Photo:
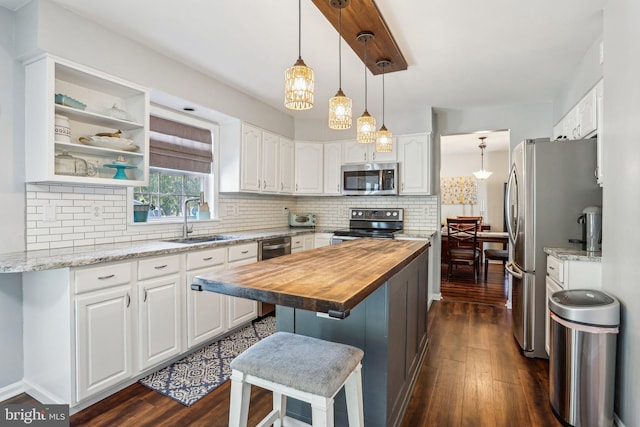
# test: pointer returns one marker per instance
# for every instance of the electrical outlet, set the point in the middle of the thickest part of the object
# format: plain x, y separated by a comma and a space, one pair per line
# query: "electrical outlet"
49, 213
96, 212
285, 210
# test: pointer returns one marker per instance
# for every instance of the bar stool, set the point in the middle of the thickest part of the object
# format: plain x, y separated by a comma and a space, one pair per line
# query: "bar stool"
301, 367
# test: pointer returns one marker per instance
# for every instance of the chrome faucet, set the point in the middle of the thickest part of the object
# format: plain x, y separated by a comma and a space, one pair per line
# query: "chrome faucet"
185, 228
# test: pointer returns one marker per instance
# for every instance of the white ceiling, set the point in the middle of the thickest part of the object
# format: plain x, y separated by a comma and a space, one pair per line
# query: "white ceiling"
461, 54
497, 140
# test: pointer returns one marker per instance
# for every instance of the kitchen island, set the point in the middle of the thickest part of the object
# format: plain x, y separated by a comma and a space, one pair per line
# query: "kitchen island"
370, 293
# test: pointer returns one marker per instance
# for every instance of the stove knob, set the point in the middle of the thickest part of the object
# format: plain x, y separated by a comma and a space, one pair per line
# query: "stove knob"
354, 213
388, 213
360, 213
395, 214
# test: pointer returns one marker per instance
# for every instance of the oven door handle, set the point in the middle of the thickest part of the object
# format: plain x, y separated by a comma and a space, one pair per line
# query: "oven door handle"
273, 247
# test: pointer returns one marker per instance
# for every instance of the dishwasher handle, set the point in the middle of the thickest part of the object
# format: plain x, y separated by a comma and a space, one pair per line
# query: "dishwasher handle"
513, 270
280, 246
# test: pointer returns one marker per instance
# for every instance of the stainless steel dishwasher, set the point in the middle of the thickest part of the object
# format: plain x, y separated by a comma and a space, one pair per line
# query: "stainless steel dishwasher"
267, 249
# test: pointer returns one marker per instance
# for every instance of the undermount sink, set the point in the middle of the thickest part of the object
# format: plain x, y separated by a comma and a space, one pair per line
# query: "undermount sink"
201, 239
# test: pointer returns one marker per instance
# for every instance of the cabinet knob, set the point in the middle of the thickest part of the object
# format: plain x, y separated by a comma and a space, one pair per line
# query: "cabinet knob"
160, 267
281, 186
373, 155
365, 156
128, 300
106, 277
296, 187
209, 258
144, 298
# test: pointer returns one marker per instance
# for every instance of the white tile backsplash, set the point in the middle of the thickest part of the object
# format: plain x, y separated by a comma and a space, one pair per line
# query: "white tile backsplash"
75, 225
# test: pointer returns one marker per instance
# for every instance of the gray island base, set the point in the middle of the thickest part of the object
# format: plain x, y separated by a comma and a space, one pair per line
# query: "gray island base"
381, 286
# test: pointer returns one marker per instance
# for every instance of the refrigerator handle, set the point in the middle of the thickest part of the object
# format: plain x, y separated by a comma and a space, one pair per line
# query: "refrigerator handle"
513, 270
513, 181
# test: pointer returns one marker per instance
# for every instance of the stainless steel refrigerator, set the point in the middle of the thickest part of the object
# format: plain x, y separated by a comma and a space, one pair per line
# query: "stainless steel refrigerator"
550, 183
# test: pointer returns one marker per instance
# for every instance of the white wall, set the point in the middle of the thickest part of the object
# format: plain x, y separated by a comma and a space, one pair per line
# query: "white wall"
587, 74
12, 198
490, 191
620, 251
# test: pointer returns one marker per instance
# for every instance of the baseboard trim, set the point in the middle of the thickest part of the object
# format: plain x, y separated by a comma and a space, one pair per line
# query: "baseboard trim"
11, 390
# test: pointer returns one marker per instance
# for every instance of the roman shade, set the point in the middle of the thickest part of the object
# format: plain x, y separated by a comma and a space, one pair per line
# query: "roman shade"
178, 146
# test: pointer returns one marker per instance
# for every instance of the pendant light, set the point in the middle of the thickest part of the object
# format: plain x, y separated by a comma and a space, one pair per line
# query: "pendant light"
366, 124
482, 174
384, 139
298, 85
340, 104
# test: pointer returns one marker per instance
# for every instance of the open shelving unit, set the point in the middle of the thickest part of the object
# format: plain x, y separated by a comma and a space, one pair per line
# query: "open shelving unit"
47, 76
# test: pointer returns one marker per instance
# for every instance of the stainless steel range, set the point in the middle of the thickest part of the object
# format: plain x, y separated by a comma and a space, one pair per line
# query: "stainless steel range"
364, 222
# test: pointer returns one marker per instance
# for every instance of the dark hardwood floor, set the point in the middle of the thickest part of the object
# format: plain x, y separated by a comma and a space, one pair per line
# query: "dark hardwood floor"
473, 375
462, 286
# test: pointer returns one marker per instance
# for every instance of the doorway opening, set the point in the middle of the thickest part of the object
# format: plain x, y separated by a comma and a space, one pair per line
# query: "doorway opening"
464, 195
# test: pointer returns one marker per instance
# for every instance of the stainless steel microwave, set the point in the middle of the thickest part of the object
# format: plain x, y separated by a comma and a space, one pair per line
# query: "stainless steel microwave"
370, 179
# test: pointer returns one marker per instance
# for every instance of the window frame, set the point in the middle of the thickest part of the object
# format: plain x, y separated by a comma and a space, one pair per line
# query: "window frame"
211, 184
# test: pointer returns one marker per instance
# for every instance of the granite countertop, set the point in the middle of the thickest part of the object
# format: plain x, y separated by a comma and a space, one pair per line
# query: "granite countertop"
330, 279
567, 254
20, 262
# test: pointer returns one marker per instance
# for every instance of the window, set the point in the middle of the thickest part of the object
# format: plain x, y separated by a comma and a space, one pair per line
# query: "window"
167, 191
181, 166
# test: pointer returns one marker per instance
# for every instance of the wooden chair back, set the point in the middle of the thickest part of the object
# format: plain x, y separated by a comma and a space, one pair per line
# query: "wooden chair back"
462, 233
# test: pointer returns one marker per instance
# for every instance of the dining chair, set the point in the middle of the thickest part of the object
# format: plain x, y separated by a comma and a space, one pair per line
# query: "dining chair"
462, 237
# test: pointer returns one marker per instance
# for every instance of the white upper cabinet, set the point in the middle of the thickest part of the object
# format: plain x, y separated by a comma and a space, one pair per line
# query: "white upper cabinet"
64, 102
287, 171
309, 167
261, 162
251, 159
354, 152
270, 163
600, 127
332, 170
414, 168
582, 120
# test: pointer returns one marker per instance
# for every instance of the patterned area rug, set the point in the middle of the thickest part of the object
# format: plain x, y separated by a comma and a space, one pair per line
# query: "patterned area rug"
191, 378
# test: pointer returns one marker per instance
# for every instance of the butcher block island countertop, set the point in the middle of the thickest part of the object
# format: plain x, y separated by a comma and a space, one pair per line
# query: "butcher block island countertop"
332, 279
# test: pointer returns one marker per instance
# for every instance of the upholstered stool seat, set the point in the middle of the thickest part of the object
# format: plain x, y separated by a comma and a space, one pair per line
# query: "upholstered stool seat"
497, 255
305, 368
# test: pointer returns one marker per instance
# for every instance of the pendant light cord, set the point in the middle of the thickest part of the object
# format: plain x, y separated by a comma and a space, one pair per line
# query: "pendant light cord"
383, 65
340, 48
365, 74
299, 29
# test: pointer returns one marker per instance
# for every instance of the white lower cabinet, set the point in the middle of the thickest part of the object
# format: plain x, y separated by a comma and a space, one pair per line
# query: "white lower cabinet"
206, 311
322, 239
302, 242
240, 310
159, 309
104, 350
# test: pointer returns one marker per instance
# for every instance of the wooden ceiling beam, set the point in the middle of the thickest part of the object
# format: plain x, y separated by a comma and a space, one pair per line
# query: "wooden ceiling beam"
363, 15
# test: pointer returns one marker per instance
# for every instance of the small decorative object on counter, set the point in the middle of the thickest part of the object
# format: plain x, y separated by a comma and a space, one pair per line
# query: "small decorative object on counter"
62, 128
141, 212
203, 208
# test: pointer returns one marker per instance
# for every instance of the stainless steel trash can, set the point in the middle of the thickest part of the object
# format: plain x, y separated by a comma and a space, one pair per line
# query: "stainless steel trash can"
582, 354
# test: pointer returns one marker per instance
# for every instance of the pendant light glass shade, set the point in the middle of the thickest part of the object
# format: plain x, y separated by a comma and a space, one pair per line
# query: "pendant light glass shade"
384, 139
298, 85
482, 174
340, 111
340, 116
366, 128
366, 124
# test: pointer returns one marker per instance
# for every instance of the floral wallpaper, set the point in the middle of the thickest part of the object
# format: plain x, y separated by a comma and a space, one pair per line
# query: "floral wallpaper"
459, 190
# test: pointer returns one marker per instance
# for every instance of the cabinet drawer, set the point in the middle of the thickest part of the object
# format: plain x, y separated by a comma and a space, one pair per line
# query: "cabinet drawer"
157, 267
249, 250
105, 276
555, 269
208, 258
297, 242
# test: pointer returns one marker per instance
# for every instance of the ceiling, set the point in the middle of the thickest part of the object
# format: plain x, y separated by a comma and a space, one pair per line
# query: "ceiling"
496, 140
460, 54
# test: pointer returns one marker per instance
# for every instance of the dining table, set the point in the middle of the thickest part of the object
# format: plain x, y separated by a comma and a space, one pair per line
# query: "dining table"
482, 236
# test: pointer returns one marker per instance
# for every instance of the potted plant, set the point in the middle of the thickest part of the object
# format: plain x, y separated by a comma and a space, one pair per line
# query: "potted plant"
140, 210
